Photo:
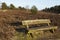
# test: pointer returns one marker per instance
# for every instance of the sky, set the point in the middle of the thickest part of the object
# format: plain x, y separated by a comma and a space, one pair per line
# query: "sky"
40, 4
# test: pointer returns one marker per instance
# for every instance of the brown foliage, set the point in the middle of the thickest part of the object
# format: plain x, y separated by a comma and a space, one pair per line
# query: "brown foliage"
11, 16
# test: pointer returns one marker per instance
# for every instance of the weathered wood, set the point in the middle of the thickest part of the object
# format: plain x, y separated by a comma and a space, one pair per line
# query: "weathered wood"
42, 29
45, 28
29, 22
40, 21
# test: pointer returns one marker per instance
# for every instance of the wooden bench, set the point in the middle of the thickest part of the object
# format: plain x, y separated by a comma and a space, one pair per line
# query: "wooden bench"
38, 21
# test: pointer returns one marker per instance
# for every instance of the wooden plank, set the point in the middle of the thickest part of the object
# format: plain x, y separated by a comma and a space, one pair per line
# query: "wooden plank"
29, 22
42, 29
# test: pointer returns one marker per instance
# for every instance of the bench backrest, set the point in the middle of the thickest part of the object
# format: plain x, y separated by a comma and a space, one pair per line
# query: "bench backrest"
31, 22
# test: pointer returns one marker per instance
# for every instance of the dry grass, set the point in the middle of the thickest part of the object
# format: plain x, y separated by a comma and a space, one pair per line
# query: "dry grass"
7, 31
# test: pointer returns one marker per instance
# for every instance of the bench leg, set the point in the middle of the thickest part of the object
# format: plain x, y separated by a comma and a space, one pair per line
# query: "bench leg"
52, 30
